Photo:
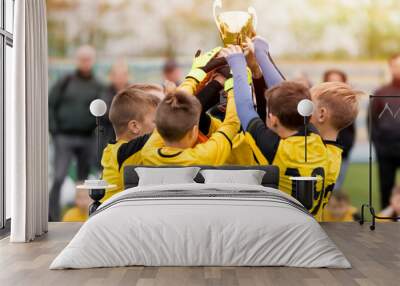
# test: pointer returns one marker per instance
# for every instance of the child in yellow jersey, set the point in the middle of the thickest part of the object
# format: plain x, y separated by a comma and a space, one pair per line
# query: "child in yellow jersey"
132, 115
177, 123
281, 141
208, 96
242, 153
336, 107
339, 209
80, 212
205, 80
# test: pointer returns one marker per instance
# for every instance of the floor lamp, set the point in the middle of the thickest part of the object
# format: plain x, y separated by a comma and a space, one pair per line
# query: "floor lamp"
305, 186
369, 205
97, 188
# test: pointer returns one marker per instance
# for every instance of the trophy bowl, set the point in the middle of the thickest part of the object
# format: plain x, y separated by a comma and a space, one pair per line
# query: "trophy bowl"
235, 26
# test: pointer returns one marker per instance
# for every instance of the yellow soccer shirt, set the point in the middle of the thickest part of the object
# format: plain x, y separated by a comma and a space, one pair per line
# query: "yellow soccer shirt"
347, 217
110, 167
189, 85
242, 153
75, 215
214, 151
334, 162
116, 155
288, 155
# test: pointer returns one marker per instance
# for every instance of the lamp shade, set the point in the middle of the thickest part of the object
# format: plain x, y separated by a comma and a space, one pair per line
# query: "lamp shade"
98, 107
305, 107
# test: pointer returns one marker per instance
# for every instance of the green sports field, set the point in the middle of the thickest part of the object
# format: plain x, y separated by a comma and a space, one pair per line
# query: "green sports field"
356, 184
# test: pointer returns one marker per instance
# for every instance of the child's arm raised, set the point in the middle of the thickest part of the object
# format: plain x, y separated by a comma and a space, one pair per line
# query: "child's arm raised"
202, 65
264, 138
242, 91
209, 97
258, 80
271, 73
218, 148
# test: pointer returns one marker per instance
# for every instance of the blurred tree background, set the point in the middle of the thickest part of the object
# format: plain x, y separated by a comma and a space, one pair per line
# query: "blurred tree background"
305, 29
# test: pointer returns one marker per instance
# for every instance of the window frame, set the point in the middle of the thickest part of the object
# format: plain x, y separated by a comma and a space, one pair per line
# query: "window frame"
6, 39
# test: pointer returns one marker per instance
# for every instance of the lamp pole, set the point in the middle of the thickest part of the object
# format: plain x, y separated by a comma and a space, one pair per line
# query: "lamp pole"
305, 108
97, 188
98, 143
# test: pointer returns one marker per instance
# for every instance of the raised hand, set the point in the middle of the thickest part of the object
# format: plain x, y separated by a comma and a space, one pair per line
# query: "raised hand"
208, 61
272, 75
251, 60
260, 44
169, 87
230, 50
205, 63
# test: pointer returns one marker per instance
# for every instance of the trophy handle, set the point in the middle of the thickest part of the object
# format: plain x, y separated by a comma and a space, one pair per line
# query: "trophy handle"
217, 4
253, 13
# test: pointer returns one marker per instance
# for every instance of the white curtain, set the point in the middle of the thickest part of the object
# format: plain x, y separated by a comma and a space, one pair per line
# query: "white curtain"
27, 123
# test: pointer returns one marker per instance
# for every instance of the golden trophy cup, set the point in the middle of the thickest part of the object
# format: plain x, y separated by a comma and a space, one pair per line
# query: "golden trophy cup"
235, 26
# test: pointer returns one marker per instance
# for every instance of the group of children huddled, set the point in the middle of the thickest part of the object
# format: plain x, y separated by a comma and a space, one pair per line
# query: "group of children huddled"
233, 108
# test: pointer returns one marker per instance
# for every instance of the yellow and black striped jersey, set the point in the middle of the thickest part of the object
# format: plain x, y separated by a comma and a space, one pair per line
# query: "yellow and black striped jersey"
116, 155
242, 153
119, 154
334, 162
288, 155
110, 167
214, 151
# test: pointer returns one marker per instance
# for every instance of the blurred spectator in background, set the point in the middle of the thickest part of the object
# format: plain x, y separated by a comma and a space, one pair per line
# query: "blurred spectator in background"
172, 71
80, 212
347, 136
385, 130
71, 123
339, 209
119, 79
303, 78
334, 75
393, 210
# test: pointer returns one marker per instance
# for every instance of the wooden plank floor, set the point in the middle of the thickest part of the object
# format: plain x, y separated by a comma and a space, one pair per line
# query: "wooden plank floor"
375, 257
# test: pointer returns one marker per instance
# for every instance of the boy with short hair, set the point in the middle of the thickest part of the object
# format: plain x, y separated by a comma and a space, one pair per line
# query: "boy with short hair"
208, 95
132, 115
281, 142
177, 123
336, 107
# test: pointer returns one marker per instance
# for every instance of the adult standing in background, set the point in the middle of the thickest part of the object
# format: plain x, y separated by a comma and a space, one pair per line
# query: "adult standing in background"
172, 72
119, 79
385, 132
347, 136
71, 124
